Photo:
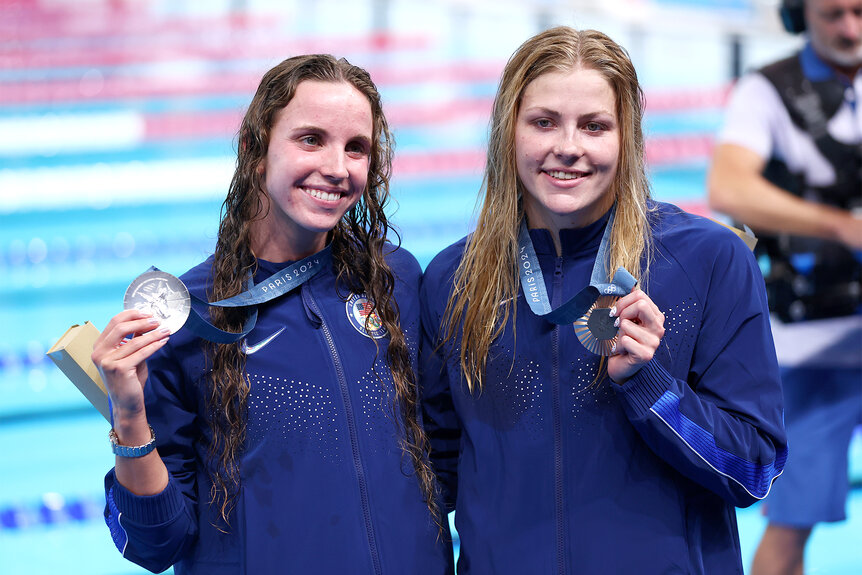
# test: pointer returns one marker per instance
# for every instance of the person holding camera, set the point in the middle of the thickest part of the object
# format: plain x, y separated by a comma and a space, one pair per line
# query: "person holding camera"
789, 164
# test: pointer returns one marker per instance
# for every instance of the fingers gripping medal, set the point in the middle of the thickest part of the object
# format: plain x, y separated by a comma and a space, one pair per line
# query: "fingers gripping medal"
595, 329
169, 300
589, 309
162, 295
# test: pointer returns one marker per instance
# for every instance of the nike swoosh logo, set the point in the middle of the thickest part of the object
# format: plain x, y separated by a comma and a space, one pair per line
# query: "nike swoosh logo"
250, 349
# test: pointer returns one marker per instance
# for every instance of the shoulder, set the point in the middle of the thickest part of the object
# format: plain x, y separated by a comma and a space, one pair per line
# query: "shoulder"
668, 221
755, 85
695, 242
694, 259
754, 115
789, 68
701, 266
442, 268
753, 101
404, 265
184, 343
199, 278
438, 279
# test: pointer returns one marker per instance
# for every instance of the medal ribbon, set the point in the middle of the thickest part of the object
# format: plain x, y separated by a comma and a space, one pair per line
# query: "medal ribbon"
533, 283
281, 282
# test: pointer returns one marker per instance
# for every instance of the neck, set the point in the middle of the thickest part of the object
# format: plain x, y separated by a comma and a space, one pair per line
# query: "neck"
538, 220
571, 240
849, 72
279, 248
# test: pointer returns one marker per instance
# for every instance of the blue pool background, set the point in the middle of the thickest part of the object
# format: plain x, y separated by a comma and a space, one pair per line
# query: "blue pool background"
116, 147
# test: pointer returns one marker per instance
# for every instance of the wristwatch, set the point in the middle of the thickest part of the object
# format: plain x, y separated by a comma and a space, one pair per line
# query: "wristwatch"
127, 451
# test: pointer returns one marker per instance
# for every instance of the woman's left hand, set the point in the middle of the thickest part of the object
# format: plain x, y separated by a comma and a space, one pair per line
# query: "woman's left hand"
641, 327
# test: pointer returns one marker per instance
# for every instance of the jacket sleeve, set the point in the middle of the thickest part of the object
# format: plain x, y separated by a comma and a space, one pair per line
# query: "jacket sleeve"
438, 410
157, 531
722, 426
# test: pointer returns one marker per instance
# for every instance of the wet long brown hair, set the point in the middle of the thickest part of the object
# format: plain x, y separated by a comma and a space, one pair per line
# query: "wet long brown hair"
358, 247
487, 274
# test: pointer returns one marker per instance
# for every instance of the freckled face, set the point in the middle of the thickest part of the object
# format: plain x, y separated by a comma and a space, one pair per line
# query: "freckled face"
316, 167
567, 146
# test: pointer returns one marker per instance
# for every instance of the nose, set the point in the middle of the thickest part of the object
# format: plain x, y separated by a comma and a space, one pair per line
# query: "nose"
568, 146
334, 166
850, 26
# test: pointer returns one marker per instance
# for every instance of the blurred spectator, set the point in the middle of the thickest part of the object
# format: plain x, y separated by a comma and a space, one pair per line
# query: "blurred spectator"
789, 164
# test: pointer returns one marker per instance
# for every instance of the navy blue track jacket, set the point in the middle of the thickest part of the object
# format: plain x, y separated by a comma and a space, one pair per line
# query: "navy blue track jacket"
325, 485
552, 473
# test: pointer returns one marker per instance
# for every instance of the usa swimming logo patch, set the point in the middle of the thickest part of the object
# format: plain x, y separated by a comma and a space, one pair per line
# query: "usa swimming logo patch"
359, 309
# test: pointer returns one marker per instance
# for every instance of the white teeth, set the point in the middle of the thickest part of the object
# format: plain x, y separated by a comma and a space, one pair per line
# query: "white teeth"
563, 175
329, 197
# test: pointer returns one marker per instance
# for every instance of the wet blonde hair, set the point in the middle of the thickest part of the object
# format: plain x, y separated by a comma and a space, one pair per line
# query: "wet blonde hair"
488, 273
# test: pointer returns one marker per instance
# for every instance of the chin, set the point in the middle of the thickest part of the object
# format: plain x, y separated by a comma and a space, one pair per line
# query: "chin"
847, 60
843, 58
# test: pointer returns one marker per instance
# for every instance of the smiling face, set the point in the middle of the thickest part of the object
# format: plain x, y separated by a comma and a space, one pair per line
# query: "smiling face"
835, 28
316, 168
567, 147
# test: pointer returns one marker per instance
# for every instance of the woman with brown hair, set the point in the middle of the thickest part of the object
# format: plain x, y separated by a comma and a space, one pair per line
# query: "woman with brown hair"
622, 445
296, 449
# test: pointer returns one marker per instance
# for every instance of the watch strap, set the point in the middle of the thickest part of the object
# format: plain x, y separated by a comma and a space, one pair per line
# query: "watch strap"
129, 451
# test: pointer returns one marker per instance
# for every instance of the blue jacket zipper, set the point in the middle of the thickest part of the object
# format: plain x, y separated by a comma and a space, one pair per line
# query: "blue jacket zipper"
351, 426
558, 433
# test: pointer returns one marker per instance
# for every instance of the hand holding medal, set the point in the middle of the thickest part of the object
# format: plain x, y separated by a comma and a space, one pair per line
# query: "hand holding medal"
597, 329
592, 310
640, 327
121, 358
160, 295
613, 319
167, 299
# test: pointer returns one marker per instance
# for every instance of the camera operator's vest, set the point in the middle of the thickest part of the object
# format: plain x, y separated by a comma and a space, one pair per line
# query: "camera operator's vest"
808, 278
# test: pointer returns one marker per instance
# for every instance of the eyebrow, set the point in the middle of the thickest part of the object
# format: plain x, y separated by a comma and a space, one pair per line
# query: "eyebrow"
551, 112
317, 129
363, 139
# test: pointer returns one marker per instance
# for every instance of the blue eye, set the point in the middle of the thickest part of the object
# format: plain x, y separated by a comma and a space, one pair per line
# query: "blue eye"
310, 140
543, 123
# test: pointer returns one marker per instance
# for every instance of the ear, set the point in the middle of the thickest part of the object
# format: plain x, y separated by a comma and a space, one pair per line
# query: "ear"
261, 167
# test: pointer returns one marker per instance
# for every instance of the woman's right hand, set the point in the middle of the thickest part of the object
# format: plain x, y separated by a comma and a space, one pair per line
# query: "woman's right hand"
122, 362
123, 365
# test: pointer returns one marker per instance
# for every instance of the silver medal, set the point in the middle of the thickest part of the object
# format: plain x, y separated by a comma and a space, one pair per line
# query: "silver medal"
162, 295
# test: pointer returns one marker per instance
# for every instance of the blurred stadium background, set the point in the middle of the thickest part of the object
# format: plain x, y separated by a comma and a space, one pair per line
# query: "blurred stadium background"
117, 125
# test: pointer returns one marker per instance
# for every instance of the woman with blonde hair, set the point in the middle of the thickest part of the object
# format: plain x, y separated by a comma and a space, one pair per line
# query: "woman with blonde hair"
620, 444
293, 446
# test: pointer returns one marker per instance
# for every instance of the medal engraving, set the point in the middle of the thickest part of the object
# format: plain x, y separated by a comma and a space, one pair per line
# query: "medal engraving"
595, 329
162, 295
601, 324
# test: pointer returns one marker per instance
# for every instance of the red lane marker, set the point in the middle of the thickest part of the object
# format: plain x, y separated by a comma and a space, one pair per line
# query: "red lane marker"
222, 123
92, 24
462, 162
677, 149
97, 87
699, 208
220, 50
688, 99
